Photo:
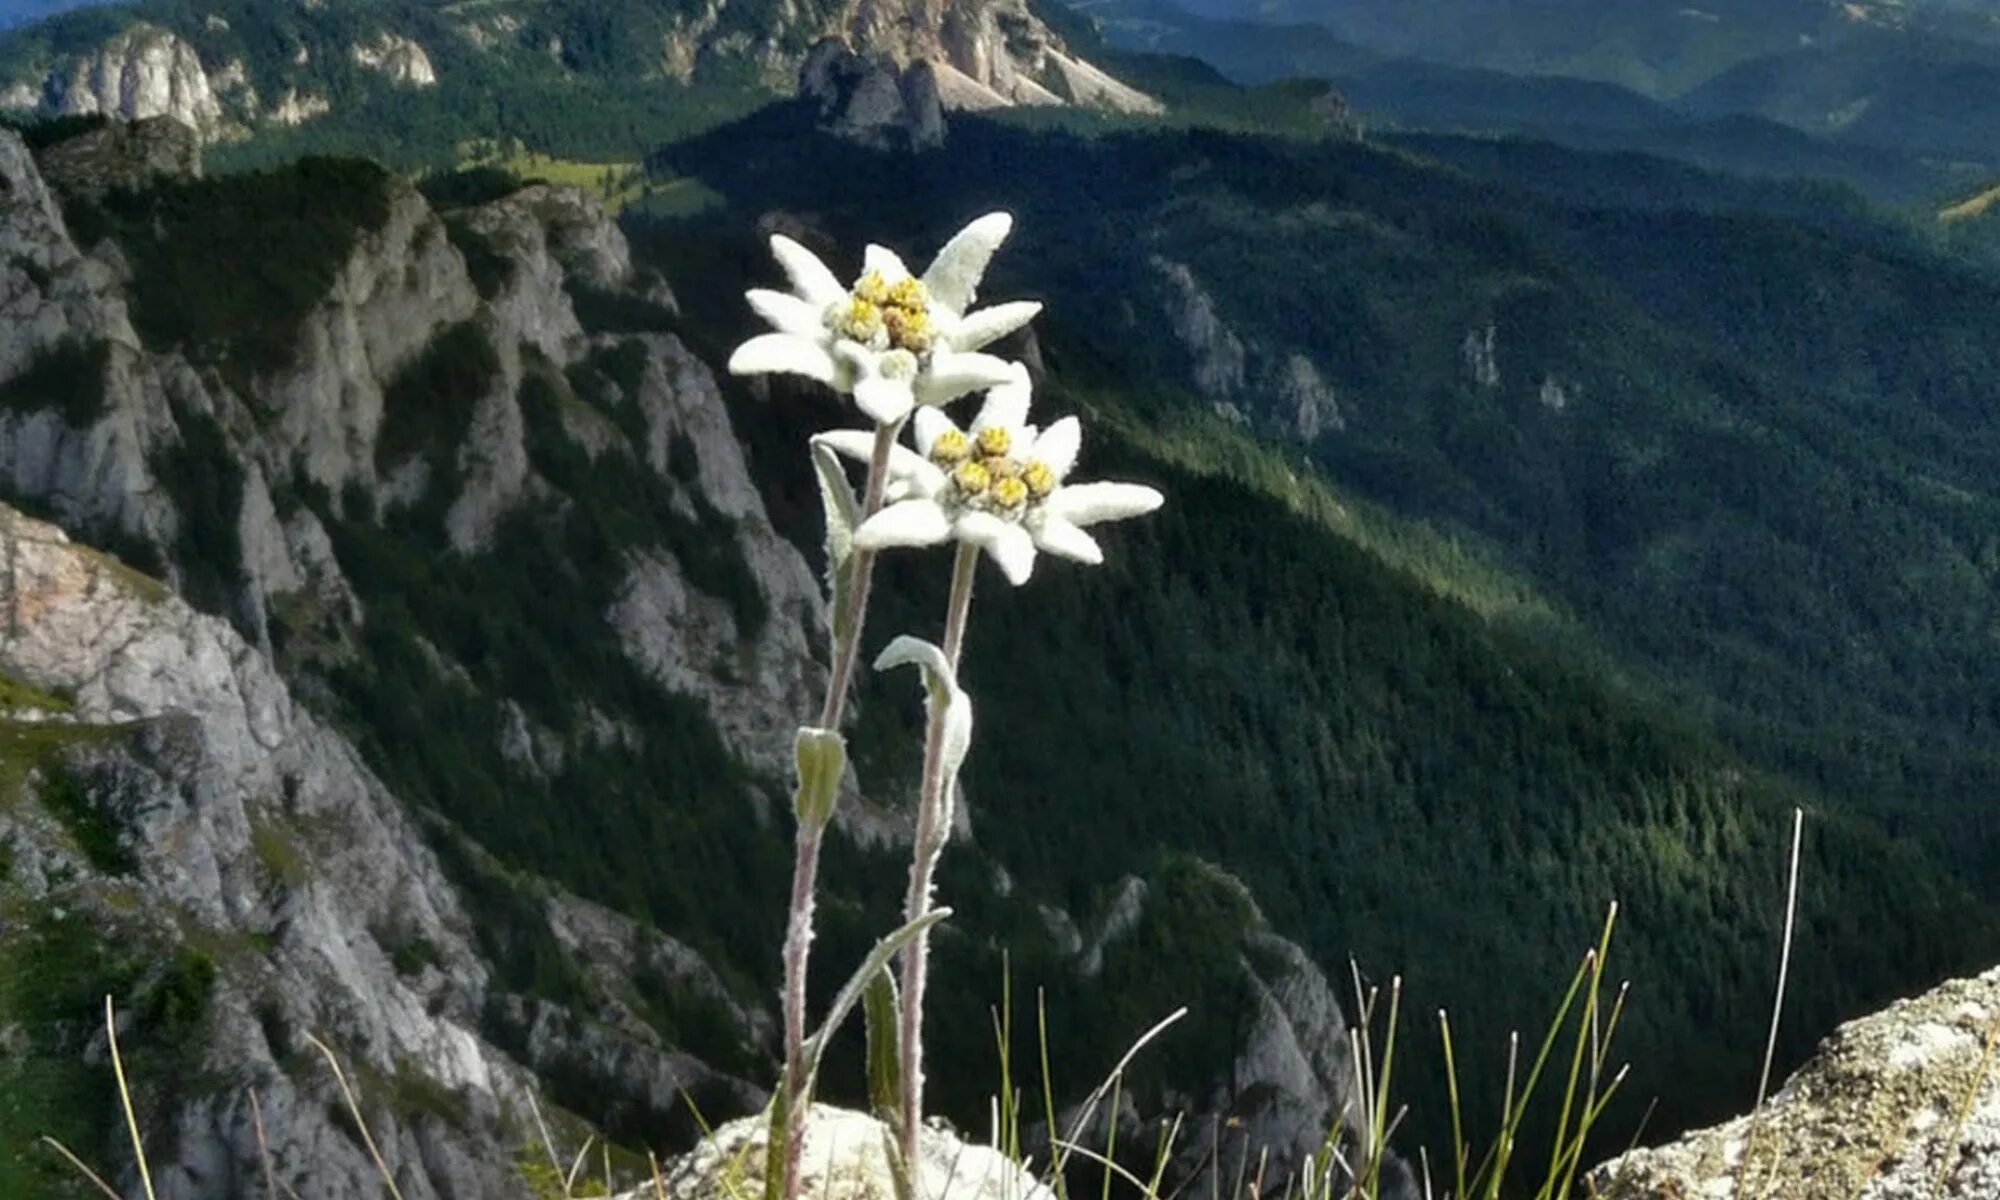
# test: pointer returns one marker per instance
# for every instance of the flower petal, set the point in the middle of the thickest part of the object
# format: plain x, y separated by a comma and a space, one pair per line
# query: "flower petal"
1057, 446
928, 425
1011, 547
978, 330
788, 313
885, 400
1092, 503
854, 443
1059, 536
811, 279
1007, 404
784, 353
886, 262
953, 277
953, 375
908, 523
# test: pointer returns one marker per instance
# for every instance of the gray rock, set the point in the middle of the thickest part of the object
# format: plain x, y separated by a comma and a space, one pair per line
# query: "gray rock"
846, 1157
873, 102
1901, 1105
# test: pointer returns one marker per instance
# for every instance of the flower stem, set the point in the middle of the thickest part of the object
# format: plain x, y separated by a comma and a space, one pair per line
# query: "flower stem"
861, 574
930, 838
805, 862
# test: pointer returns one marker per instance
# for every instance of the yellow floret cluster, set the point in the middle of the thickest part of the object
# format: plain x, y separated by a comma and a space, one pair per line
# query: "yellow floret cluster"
888, 316
984, 474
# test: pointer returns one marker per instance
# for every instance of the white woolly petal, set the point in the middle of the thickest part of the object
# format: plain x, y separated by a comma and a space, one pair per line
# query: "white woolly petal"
886, 401
784, 353
928, 425
814, 283
1092, 503
1011, 547
885, 262
904, 464
978, 330
1059, 536
953, 277
953, 375
1007, 404
909, 523
787, 313
1058, 445
854, 443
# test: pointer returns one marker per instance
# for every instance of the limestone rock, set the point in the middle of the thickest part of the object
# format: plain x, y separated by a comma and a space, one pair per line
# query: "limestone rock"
873, 102
1901, 1105
144, 71
402, 60
846, 1158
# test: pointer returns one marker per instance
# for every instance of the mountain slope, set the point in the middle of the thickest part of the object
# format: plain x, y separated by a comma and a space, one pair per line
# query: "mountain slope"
558, 73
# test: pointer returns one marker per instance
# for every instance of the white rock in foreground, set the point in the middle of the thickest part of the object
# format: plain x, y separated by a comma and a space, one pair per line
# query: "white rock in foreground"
1901, 1105
846, 1158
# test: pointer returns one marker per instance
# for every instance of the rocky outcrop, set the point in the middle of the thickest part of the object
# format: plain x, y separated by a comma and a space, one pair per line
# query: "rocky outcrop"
145, 71
398, 58
874, 103
245, 822
846, 1157
1904, 1103
119, 154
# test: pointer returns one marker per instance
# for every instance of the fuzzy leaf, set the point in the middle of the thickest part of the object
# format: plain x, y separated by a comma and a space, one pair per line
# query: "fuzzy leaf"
940, 688
880, 1010
843, 513
821, 758
850, 995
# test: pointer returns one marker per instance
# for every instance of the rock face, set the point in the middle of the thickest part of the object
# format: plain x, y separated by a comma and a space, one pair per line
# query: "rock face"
874, 103
254, 826
399, 58
143, 72
245, 819
958, 54
1901, 1104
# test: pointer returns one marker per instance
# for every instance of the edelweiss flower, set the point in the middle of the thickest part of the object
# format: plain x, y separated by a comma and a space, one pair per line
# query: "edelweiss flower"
893, 341
999, 485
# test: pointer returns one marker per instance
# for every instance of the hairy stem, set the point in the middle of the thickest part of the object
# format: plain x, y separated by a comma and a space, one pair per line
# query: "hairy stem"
805, 862
929, 842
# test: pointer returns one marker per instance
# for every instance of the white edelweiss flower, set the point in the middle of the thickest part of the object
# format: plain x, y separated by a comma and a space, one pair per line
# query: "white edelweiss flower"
893, 340
1000, 485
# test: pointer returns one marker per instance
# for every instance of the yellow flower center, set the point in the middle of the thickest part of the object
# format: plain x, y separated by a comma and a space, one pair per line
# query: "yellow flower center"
910, 293
1002, 468
878, 311
1039, 478
950, 448
859, 319
909, 328
873, 288
995, 441
971, 479
1010, 493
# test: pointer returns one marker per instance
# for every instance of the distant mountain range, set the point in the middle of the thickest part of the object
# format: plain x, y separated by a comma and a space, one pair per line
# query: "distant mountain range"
1901, 101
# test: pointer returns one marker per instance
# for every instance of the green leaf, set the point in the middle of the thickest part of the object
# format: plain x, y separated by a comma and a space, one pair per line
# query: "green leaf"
881, 1010
820, 756
850, 995
843, 513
